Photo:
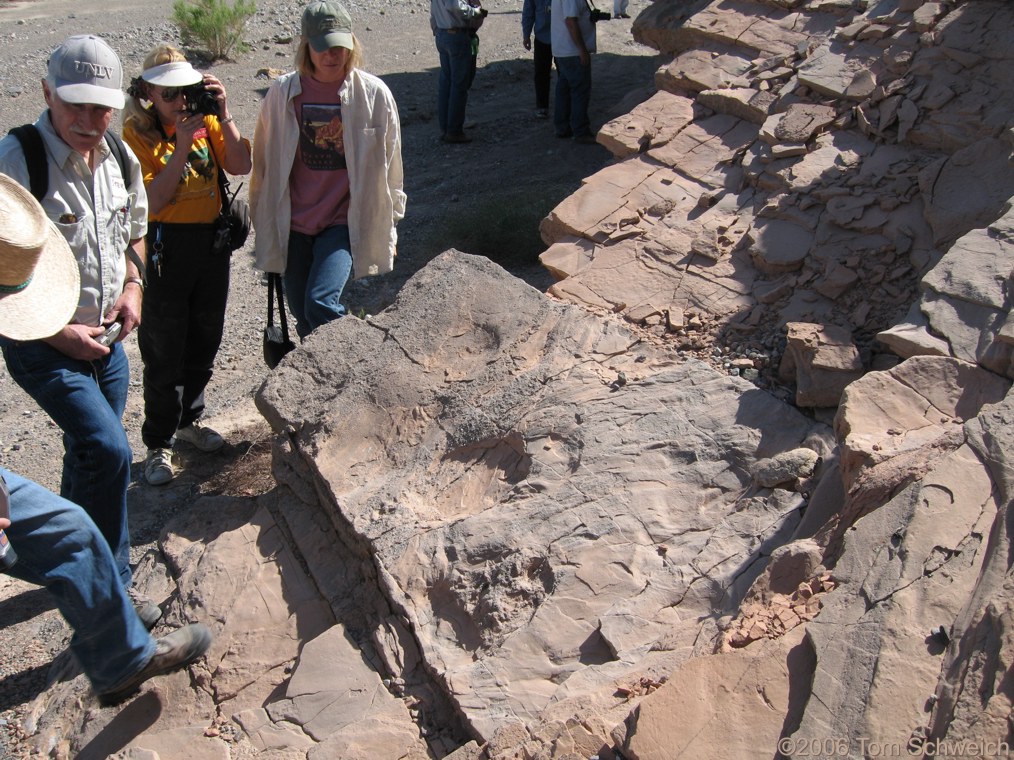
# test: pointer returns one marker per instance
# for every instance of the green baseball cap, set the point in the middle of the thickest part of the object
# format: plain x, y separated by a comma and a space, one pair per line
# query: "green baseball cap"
326, 24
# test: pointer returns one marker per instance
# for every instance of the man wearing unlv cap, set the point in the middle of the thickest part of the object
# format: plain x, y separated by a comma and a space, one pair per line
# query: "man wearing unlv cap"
80, 382
57, 544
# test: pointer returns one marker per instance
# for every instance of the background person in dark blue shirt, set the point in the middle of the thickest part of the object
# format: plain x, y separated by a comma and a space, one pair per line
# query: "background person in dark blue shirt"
535, 17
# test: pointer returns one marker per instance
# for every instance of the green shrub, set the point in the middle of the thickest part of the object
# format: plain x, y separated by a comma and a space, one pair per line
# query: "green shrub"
215, 25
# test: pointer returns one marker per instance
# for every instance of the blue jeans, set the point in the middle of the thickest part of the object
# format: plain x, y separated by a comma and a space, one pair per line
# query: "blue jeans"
315, 275
59, 547
457, 72
86, 399
573, 93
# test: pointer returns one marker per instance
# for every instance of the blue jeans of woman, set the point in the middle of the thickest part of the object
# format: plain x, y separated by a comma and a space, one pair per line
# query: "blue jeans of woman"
86, 399
457, 72
316, 272
59, 547
573, 93
184, 316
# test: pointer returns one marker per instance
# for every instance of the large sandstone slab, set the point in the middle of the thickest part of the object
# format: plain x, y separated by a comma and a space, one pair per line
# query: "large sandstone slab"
536, 533
909, 411
690, 715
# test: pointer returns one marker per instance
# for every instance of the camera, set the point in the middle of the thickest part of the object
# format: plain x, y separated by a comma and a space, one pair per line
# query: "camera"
112, 332
200, 100
597, 16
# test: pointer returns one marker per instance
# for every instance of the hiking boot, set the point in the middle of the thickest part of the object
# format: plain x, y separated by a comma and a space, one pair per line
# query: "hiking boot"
201, 437
452, 138
149, 612
173, 652
541, 113
158, 467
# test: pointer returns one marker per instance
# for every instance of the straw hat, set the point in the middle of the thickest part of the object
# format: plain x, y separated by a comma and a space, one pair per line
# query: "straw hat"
39, 280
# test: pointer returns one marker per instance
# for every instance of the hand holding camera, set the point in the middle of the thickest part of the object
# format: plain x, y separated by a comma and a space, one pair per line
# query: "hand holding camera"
201, 100
112, 333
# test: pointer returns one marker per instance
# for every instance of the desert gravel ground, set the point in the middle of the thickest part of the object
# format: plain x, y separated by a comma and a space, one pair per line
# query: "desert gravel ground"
484, 198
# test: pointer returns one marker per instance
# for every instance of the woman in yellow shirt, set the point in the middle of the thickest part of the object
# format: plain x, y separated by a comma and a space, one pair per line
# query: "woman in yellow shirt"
183, 136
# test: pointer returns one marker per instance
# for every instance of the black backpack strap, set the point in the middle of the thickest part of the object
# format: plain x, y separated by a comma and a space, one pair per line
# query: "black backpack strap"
38, 164
119, 151
35, 159
38, 168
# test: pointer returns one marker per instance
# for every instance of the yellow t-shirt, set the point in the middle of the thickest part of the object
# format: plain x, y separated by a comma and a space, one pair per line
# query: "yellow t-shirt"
196, 199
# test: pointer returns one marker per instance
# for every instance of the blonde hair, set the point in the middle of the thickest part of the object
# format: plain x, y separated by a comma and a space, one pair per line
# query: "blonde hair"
144, 119
304, 64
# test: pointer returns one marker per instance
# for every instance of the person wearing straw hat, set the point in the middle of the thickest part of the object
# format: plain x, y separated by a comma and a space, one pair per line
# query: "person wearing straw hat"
56, 543
80, 382
179, 126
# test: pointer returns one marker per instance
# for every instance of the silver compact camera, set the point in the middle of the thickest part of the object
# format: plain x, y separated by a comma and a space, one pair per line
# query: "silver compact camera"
112, 333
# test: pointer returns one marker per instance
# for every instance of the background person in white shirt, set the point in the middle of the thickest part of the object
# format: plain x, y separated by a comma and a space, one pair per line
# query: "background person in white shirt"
573, 43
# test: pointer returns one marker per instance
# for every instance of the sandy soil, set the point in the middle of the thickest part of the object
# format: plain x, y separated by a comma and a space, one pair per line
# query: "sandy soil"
485, 197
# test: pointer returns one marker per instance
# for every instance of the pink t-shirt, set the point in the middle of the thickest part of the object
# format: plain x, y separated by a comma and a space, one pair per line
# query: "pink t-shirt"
319, 180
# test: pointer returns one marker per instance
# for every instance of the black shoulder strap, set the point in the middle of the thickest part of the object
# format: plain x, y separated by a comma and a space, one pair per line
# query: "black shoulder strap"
38, 163
275, 283
35, 159
223, 179
119, 151
38, 168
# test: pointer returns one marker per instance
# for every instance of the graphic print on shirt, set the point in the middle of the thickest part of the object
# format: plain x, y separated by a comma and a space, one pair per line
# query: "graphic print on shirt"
199, 161
321, 137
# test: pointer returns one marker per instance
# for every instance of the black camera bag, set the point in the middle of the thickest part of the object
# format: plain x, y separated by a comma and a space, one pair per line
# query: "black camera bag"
276, 337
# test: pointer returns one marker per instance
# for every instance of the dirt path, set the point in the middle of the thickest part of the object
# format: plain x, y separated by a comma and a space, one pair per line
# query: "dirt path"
485, 197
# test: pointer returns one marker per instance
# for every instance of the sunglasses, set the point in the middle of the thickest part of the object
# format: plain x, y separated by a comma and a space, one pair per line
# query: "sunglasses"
169, 94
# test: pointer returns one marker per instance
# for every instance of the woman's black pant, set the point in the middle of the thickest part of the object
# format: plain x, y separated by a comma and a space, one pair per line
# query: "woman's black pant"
182, 321
543, 72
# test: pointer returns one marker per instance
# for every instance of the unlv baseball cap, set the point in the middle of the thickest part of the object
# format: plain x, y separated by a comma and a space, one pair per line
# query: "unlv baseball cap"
84, 69
327, 24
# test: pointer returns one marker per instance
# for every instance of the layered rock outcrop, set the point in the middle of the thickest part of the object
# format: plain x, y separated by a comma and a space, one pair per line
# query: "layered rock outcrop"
739, 486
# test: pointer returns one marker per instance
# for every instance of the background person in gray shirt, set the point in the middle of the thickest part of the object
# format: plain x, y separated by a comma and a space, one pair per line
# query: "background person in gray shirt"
455, 24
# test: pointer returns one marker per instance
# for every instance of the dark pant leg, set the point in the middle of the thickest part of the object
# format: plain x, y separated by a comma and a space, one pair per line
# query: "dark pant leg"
561, 103
204, 334
573, 92
543, 72
457, 72
165, 335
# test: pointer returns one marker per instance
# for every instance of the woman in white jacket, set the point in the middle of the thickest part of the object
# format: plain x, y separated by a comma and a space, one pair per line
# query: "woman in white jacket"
326, 188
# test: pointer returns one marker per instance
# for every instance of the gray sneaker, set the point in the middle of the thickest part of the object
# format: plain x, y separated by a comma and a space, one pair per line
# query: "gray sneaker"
201, 437
158, 467
173, 652
149, 612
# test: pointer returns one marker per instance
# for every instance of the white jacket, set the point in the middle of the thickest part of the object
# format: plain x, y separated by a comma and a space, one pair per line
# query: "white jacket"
372, 154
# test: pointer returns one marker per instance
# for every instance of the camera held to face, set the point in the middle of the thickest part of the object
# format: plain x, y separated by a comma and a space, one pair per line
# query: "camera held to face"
200, 100
597, 16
